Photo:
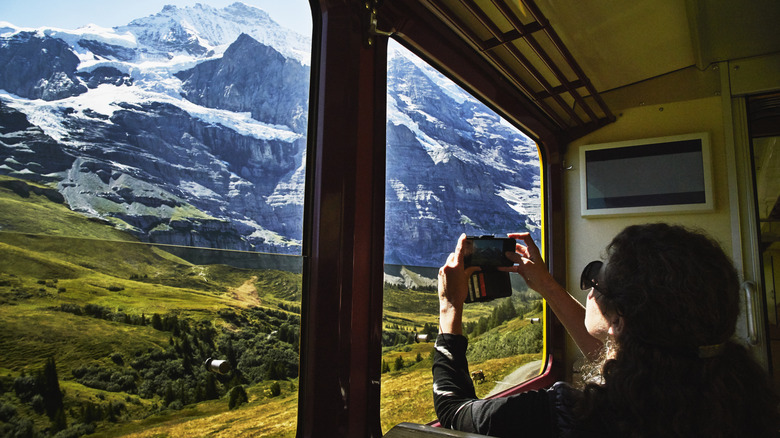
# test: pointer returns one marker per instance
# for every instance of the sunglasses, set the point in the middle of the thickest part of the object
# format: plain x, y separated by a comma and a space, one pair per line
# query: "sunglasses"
591, 276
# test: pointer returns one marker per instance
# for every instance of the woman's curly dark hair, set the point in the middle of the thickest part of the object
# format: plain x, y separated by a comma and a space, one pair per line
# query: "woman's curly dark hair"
676, 291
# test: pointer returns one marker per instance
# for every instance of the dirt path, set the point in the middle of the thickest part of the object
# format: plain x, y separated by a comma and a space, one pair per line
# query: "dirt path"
247, 293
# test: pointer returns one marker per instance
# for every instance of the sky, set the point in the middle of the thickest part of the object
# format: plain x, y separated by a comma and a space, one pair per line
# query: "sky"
72, 14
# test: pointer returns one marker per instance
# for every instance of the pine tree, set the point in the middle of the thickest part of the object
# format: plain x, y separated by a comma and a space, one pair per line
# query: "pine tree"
511, 311
157, 322
169, 396
110, 414
211, 392
58, 420
493, 321
50, 388
231, 354
183, 396
91, 413
276, 390
237, 397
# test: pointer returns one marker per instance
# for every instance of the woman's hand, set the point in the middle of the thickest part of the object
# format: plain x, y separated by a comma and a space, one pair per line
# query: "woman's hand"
568, 310
453, 290
529, 264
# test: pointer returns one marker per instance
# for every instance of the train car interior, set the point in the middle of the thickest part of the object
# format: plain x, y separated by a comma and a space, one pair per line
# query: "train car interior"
186, 250
571, 74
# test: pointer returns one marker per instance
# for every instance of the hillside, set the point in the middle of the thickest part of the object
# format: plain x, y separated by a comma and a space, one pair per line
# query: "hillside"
127, 325
407, 380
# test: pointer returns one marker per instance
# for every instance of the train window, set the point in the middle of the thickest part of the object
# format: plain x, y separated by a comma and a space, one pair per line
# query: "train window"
151, 210
767, 183
453, 166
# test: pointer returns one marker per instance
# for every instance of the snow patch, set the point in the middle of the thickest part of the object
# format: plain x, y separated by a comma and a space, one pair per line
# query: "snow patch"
103, 100
525, 202
449, 87
198, 190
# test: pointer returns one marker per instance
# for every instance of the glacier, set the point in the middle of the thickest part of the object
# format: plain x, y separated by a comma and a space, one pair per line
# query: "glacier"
161, 128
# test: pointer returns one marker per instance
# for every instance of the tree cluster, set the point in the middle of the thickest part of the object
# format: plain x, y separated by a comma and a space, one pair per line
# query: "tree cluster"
42, 392
493, 345
503, 312
394, 335
261, 344
102, 312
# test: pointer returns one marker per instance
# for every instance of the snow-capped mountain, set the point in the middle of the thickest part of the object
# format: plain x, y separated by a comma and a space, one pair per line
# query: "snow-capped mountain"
452, 167
205, 30
188, 127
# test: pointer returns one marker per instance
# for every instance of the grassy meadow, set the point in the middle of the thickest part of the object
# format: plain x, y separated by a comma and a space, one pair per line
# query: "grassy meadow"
105, 336
407, 392
262, 415
128, 327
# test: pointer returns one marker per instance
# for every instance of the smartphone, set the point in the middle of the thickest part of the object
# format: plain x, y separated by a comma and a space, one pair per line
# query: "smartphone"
488, 285
488, 251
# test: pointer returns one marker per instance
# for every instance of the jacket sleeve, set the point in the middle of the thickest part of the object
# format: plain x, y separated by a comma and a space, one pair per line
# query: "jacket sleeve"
457, 406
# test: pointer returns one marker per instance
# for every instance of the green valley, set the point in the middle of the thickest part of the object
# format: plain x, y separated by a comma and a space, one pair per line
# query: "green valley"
106, 336
126, 327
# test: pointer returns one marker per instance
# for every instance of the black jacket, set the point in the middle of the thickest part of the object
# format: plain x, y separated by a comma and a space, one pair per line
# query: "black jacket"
545, 413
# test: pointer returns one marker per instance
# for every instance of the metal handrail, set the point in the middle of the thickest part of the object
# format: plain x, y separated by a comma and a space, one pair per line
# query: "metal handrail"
750, 309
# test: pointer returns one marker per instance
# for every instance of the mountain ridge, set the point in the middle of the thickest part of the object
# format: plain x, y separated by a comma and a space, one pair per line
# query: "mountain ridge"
188, 140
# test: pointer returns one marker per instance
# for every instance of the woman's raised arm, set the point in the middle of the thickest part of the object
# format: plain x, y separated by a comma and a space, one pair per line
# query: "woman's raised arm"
529, 264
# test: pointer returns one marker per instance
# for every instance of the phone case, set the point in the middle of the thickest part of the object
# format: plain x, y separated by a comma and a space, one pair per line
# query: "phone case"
488, 285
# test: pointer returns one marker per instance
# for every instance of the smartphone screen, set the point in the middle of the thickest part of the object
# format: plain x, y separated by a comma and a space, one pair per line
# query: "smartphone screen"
488, 251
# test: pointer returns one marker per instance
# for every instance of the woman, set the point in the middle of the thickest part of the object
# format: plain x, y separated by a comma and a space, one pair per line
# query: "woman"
660, 315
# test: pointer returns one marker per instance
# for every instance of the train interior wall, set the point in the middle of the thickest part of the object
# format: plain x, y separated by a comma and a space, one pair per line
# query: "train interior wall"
716, 108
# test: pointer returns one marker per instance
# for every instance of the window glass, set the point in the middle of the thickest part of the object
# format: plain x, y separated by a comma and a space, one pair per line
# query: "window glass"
151, 204
453, 166
767, 185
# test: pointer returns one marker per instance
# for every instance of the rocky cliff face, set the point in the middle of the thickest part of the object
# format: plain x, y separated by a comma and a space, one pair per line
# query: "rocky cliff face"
231, 83
38, 68
207, 147
151, 167
450, 160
